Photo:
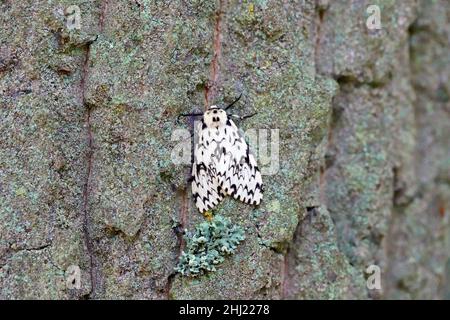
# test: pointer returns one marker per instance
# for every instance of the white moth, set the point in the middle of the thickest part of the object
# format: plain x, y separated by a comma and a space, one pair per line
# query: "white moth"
223, 165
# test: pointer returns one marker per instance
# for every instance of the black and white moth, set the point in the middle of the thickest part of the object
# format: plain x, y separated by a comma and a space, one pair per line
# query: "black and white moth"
223, 165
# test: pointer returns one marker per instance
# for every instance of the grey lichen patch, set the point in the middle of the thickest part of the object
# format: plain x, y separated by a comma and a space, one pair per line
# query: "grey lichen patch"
208, 246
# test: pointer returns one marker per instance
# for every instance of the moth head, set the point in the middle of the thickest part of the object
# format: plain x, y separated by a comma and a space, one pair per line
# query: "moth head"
215, 117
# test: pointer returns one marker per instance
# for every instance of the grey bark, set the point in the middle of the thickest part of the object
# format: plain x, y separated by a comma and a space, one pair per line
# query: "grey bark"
86, 116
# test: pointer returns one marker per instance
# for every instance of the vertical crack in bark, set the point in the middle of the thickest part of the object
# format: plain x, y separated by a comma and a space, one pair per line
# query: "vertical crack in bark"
183, 218
89, 156
86, 218
184, 200
211, 87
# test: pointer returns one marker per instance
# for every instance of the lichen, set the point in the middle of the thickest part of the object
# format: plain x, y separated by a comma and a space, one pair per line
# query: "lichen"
208, 246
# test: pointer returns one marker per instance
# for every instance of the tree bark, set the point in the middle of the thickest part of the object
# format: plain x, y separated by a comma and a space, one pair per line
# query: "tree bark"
86, 171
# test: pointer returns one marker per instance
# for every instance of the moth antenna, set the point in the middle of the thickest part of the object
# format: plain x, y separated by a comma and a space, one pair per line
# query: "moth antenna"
188, 115
231, 104
243, 117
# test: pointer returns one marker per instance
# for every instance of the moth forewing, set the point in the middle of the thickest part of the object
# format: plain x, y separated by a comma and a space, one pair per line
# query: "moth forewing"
222, 164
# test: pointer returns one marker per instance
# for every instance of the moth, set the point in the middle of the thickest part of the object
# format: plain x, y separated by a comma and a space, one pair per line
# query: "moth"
223, 164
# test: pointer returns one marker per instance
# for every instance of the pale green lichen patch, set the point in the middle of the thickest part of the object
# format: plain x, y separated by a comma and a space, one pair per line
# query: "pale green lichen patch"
208, 246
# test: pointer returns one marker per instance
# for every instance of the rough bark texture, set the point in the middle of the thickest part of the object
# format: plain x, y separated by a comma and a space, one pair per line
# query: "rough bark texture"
86, 118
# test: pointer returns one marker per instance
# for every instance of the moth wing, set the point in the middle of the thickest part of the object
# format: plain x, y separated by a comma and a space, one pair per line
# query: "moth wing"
205, 182
238, 172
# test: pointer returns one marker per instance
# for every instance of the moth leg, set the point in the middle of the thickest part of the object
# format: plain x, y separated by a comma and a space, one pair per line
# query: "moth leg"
196, 114
243, 117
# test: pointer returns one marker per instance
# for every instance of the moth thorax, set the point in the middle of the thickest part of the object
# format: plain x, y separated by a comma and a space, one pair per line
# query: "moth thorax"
215, 117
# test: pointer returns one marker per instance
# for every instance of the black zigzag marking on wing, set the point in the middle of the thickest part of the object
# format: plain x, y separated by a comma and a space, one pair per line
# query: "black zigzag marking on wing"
231, 169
